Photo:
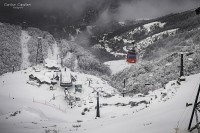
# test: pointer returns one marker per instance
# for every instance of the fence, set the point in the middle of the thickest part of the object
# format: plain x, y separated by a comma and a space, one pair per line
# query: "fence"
45, 102
50, 105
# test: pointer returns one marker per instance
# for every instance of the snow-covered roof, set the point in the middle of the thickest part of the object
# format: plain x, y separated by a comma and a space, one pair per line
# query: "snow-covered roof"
42, 77
51, 63
66, 75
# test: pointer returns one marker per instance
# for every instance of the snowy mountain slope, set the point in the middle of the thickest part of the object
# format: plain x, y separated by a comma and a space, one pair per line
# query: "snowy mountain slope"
140, 45
129, 37
159, 117
149, 40
40, 100
30, 108
115, 42
160, 62
150, 26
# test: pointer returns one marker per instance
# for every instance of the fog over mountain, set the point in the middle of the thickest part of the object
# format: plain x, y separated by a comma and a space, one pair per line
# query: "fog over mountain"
153, 8
73, 10
62, 17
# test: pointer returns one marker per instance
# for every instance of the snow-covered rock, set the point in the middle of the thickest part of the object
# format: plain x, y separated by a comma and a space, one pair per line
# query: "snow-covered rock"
149, 40
153, 25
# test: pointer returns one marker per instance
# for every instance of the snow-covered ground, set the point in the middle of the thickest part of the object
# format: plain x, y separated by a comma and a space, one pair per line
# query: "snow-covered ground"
160, 117
122, 23
117, 65
28, 108
150, 26
142, 44
149, 40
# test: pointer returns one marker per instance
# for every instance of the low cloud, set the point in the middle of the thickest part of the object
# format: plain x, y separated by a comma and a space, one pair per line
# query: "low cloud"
137, 9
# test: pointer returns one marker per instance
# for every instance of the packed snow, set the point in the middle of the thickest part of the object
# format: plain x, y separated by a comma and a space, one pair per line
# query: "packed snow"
118, 65
152, 25
128, 41
148, 27
125, 49
107, 48
141, 44
98, 46
132, 32
117, 54
122, 23
149, 40
118, 38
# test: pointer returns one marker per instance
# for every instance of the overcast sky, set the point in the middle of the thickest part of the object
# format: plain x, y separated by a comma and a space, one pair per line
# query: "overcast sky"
154, 8
126, 9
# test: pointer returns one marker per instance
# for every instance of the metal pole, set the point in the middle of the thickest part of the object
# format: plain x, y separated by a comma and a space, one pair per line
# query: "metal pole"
13, 69
124, 83
61, 61
197, 120
124, 87
181, 68
123, 93
195, 104
98, 110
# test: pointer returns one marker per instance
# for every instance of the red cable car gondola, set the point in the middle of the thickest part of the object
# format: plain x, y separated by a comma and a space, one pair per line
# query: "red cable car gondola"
132, 56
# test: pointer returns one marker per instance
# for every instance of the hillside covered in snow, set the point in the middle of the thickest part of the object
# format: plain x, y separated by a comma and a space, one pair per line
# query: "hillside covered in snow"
144, 34
27, 107
160, 59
